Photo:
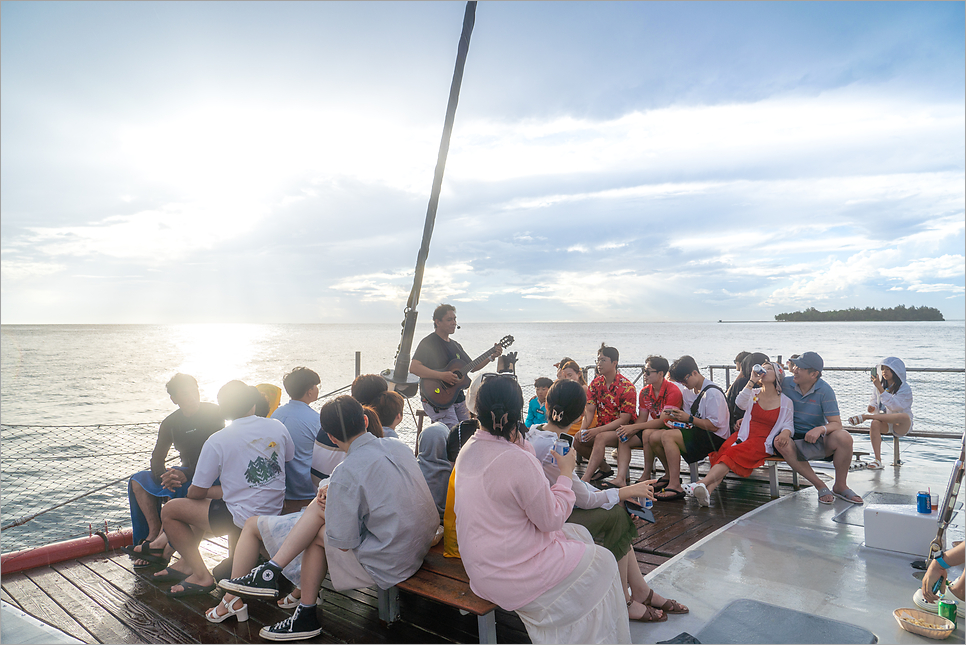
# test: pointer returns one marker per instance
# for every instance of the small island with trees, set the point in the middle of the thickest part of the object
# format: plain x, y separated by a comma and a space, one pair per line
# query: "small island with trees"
861, 315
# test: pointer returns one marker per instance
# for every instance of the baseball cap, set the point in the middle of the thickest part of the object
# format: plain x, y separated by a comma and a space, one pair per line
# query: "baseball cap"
810, 361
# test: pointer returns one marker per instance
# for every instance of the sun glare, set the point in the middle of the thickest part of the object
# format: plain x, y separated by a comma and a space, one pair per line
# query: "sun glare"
217, 353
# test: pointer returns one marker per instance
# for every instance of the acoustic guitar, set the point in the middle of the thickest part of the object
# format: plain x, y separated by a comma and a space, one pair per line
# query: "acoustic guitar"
440, 394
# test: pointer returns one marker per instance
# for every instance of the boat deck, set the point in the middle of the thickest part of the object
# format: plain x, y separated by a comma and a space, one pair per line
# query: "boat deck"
798, 554
101, 599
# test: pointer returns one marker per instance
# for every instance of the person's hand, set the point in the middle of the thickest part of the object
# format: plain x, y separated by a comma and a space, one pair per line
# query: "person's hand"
737, 425
320, 497
587, 434
173, 478
640, 489
672, 414
870, 409
622, 431
877, 383
450, 378
567, 462
814, 434
783, 440
933, 573
497, 349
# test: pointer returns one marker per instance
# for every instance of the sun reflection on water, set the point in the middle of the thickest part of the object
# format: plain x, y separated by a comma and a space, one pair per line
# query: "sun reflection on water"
217, 353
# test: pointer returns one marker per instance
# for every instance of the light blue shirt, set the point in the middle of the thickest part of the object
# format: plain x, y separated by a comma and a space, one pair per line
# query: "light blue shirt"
389, 432
302, 423
811, 408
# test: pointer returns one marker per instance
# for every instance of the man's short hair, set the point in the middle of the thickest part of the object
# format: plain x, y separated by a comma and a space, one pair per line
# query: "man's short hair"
388, 405
658, 364
440, 312
236, 399
741, 356
543, 381
343, 418
682, 367
180, 381
299, 381
367, 387
609, 352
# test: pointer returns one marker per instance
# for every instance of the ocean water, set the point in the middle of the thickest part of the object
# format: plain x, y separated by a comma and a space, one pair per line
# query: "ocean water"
66, 378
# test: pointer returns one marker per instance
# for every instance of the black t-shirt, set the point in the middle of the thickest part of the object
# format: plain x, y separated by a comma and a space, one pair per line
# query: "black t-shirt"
436, 353
188, 434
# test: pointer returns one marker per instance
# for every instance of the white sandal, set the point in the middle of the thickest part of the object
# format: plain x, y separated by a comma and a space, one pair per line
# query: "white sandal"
289, 602
875, 464
241, 613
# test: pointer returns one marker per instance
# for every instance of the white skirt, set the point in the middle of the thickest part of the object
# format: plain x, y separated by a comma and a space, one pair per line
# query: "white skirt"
568, 613
274, 529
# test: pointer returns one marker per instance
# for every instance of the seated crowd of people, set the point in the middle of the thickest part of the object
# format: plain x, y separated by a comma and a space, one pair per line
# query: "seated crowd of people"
302, 494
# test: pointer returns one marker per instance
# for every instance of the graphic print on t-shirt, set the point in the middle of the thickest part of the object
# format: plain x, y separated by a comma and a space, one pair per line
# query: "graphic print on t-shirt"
263, 470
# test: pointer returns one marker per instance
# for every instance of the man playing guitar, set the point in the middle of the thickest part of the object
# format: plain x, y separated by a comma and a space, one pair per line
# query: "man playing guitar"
433, 354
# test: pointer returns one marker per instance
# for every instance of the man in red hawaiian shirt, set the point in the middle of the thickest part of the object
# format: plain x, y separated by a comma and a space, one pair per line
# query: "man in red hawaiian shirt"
657, 394
614, 398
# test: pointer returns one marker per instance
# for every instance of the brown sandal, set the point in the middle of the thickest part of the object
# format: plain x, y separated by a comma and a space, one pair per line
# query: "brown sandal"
650, 614
669, 606
673, 607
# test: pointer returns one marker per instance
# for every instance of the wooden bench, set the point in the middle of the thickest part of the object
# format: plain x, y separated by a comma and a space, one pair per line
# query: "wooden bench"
442, 580
771, 463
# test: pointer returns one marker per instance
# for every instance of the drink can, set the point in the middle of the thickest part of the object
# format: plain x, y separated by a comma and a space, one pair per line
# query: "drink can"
648, 503
758, 370
947, 609
561, 446
923, 504
623, 438
682, 426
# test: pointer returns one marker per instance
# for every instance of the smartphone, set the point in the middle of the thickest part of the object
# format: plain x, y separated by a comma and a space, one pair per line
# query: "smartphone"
638, 511
563, 444
873, 373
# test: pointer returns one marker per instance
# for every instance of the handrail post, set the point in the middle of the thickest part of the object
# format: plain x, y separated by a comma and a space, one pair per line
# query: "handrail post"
358, 364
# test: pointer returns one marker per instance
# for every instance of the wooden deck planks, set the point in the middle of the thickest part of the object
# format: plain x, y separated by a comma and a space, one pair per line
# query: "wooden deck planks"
35, 601
123, 605
103, 599
101, 624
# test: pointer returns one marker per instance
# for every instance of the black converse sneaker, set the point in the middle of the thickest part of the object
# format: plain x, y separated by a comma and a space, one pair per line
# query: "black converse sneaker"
304, 623
260, 581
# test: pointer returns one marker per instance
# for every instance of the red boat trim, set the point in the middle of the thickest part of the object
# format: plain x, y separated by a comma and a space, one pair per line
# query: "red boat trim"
60, 551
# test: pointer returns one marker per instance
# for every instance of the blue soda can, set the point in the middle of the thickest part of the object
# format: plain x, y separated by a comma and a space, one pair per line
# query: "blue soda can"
680, 425
623, 438
648, 503
923, 505
561, 446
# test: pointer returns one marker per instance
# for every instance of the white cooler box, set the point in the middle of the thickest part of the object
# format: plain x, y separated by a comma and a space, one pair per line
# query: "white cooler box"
899, 527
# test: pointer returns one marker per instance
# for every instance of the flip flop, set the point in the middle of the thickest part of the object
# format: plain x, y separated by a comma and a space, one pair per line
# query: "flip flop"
601, 474
149, 555
847, 495
173, 575
190, 589
822, 493
670, 496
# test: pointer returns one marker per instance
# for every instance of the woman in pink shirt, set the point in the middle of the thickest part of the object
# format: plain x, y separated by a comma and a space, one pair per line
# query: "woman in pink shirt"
515, 545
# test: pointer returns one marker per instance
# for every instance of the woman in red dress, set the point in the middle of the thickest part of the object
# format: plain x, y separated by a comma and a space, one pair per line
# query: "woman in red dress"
769, 412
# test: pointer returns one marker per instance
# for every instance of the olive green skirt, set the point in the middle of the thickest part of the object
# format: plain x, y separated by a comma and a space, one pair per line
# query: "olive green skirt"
614, 529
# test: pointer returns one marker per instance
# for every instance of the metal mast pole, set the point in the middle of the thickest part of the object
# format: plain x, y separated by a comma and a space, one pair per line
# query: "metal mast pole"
400, 374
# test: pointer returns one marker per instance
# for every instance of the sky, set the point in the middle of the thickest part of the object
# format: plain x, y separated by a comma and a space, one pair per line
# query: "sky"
272, 162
